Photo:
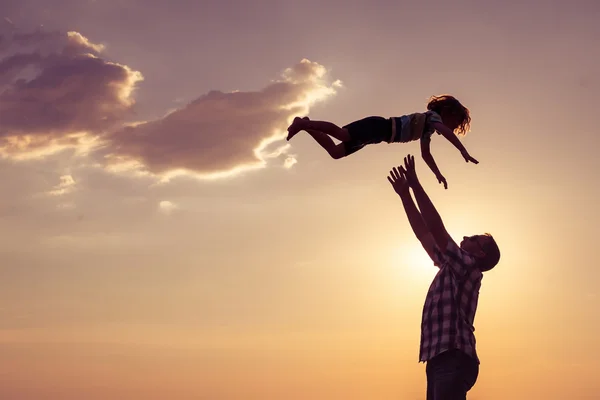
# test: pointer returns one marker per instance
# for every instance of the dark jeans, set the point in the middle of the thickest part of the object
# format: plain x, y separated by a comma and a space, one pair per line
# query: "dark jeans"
450, 375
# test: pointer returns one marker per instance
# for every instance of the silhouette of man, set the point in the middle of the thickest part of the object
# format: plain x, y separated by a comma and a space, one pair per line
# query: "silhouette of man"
447, 339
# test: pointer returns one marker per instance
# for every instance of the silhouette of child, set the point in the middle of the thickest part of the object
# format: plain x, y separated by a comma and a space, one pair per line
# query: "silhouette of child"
445, 114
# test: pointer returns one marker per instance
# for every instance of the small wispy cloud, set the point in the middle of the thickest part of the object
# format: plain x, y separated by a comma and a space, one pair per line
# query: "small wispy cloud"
66, 206
66, 185
167, 206
289, 161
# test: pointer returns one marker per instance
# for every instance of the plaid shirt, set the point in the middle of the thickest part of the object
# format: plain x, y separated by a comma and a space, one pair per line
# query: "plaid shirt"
450, 305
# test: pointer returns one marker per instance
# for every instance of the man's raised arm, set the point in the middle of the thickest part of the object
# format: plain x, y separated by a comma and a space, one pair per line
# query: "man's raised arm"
430, 216
398, 180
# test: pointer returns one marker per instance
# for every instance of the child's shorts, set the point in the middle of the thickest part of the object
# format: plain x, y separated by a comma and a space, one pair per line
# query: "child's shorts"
369, 130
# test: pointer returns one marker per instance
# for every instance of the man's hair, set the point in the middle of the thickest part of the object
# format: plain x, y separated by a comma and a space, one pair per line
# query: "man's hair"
449, 104
492, 254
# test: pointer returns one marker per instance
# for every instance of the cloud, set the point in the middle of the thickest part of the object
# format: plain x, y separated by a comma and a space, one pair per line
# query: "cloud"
222, 133
56, 92
66, 185
167, 206
290, 161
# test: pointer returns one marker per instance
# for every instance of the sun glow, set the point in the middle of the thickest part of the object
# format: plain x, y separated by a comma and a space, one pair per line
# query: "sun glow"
413, 262
418, 259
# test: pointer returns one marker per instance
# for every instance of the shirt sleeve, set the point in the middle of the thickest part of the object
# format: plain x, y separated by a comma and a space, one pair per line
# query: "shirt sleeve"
438, 257
459, 261
429, 130
434, 117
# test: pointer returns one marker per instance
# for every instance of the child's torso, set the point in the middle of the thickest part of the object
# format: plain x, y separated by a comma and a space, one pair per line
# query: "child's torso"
416, 126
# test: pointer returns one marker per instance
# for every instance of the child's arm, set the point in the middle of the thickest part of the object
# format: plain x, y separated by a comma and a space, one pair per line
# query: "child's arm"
451, 137
428, 158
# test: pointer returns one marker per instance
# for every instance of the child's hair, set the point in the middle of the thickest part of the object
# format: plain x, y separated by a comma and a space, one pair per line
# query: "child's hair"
447, 103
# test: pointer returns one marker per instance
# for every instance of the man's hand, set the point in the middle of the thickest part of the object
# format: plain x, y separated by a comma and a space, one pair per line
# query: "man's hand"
398, 180
409, 170
468, 158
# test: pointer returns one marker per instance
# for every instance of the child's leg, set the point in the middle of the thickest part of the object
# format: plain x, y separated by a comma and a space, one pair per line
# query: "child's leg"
326, 127
335, 150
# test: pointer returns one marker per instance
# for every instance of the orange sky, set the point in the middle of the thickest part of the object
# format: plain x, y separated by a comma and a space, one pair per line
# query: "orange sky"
275, 272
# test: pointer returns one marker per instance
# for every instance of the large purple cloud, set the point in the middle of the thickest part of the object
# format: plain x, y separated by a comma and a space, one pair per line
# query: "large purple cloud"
221, 132
54, 88
56, 91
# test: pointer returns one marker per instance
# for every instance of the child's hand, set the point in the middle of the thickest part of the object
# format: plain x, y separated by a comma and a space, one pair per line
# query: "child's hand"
398, 180
468, 158
441, 179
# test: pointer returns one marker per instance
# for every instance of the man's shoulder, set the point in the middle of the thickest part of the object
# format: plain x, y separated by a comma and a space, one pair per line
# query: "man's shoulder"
458, 259
451, 247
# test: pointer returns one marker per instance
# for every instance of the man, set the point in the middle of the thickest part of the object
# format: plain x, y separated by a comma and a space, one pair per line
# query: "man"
447, 338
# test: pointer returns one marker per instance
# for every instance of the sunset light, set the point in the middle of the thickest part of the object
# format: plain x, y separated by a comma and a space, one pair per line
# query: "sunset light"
166, 234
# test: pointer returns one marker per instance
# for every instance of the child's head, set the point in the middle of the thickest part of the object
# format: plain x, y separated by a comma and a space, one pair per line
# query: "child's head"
454, 115
484, 249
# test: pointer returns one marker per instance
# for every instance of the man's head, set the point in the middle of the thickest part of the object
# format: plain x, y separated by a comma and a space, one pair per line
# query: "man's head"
483, 248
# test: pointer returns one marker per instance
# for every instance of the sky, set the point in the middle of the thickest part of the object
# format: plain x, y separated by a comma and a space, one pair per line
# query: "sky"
161, 239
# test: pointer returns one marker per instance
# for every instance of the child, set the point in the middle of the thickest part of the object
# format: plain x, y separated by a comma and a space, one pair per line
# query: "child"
445, 114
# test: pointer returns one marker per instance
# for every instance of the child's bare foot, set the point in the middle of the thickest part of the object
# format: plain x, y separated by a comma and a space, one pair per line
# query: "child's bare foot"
295, 127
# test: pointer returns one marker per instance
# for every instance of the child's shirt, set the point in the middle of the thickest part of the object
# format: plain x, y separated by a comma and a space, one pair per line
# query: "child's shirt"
408, 128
